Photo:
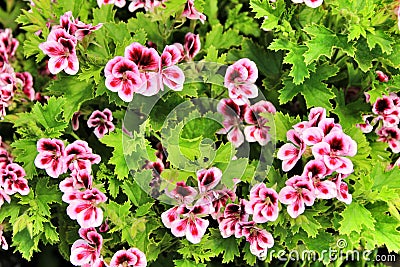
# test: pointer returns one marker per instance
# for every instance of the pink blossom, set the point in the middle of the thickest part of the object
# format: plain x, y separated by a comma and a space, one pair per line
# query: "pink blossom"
75, 120
102, 121
8, 43
5, 158
342, 189
4, 197
365, 127
86, 250
291, 153
148, 5
51, 156
232, 216
169, 216
85, 208
263, 204
313, 3
332, 150
118, 3
3, 241
76, 27
182, 193
146, 59
191, 225
172, 76
131, 257
191, 45
233, 116
260, 240
79, 155
390, 135
191, 12
382, 77
239, 79
297, 193
208, 178
13, 181
258, 131
316, 171
60, 46
26, 81
122, 76
80, 179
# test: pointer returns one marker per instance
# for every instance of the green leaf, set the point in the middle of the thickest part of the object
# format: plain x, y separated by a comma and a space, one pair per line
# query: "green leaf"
315, 92
143, 209
25, 151
188, 263
355, 216
386, 230
300, 69
221, 39
74, 91
48, 116
271, 13
134, 192
198, 252
45, 195
227, 246
381, 39
26, 245
323, 43
242, 22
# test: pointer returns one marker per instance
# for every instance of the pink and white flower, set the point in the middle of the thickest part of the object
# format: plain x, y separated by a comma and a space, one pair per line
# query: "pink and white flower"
297, 193
75, 120
208, 178
8, 44
290, 153
239, 79
191, 225
390, 135
79, 155
258, 131
191, 12
172, 76
316, 171
182, 193
263, 204
3, 241
51, 156
232, 216
84, 209
132, 257
233, 117
333, 149
122, 76
382, 77
26, 81
191, 45
101, 121
342, 189
13, 181
260, 240
60, 46
86, 250
76, 27
148, 5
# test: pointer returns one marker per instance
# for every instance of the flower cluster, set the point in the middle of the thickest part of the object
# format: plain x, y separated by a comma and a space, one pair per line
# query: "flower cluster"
309, 3
386, 117
189, 12
322, 176
255, 129
77, 157
11, 82
61, 43
143, 71
12, 181
185, 219
86, 252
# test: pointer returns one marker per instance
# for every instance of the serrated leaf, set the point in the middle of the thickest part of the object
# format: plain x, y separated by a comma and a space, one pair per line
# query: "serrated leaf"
271, 14
26, 245
295, 56
188, 263
25, 151
315, 92
281, 123
323, 43
221, 39
355, 217
134, 192
74, 91
381, 39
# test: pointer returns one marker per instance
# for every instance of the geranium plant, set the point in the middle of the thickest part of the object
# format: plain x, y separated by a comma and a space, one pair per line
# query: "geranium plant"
200, 133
